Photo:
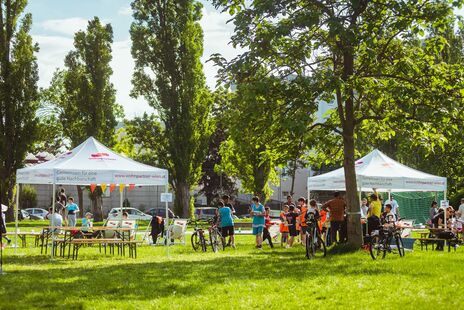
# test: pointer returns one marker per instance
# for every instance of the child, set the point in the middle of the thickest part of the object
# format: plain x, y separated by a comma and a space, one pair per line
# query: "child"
87, 222
292, 215
157, 227
257, 212
267, 225
284, 226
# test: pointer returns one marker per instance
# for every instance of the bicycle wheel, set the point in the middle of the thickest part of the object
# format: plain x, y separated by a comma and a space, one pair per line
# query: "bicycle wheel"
309, 242
203, 242
375, 247
213, 238
221, 242
195, 241
399, 245
318, 248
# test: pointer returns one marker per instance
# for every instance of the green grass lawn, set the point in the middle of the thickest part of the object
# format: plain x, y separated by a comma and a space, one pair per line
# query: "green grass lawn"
244, 278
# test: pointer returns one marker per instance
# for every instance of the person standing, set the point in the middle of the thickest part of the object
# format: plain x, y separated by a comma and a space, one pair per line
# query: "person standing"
228, 203
336, 207
432, 212
302, 219
461, 210
364, 210
3, 224
72, 209
267, 226
375, 207
284, 226
394, 206
55, 219
290, 201
257, 212
227, 223
292, 216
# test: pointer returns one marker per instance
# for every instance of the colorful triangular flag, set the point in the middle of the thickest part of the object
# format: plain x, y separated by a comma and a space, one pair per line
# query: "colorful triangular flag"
112, 186
93, 187
131, 187
103, 187
121, 187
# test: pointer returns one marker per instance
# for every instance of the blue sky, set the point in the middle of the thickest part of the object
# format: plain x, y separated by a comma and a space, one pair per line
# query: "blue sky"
56, 21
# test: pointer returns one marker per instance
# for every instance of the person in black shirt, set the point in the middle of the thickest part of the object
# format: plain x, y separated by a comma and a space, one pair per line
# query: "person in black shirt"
292, 215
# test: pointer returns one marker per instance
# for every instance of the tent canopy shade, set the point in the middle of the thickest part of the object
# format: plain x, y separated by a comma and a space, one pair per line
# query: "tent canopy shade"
92, 163
377, 170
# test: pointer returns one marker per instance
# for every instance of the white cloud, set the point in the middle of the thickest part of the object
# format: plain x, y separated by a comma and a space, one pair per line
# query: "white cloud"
53, 49
125, 10
217, 34
67, 26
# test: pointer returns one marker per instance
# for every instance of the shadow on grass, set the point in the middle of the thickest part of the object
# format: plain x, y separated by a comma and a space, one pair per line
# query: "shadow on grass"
128, 280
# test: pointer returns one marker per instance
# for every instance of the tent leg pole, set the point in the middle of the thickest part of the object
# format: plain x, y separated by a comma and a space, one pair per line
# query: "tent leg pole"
16, 210
121, 204
53, 220
168, 239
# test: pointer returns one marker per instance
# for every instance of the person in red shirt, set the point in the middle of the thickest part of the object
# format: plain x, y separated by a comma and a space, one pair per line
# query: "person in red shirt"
267, 225
336, 207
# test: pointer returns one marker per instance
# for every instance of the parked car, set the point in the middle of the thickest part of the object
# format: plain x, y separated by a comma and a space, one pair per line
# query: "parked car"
274, 214
23, 215
205, 213
37, 213
132, 214
161, 211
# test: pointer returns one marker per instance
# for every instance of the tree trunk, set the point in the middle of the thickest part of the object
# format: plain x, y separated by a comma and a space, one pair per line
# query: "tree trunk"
182, 199
352, 199
261, 178
80, 199
6, 198
97, 202
293, 173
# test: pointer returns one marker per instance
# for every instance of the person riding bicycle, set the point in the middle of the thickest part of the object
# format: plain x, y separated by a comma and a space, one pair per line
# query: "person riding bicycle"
312, 209
388, 218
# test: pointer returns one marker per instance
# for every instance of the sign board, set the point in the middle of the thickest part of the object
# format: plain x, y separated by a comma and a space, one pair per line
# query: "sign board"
444, 204
166, 197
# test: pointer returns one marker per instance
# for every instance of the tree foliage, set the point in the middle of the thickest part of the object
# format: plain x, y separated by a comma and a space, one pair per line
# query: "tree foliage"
167, 46
82, 97
18, 93
366, 56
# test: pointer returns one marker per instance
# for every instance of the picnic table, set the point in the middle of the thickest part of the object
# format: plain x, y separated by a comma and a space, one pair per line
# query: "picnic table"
76, 237
22, 235
431, 237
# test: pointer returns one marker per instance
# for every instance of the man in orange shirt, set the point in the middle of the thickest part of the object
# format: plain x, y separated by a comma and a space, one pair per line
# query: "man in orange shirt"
336, 207
301, 219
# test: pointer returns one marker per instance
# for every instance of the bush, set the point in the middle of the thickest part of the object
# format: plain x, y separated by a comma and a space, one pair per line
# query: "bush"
28, 197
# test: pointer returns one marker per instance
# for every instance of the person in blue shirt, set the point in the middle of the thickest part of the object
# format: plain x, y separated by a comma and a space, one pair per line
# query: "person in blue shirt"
72, 210
227, 223
257, 212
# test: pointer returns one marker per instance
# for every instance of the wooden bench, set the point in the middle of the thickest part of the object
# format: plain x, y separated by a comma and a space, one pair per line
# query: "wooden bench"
433, 241
111, 242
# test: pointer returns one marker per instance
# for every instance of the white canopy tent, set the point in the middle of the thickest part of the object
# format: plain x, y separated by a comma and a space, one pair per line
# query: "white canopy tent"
377, 170
87, 164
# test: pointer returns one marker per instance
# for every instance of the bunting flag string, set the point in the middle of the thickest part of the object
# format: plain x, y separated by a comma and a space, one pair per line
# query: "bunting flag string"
131, 187
103, 187
121, 187
93, 187
112, 186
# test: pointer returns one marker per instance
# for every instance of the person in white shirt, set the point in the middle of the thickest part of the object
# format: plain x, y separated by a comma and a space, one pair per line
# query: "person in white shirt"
56, 220
394, 205
461, 210
364, 208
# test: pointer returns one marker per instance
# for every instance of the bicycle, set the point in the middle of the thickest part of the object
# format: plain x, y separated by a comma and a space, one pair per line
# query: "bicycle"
381, 240
198, 237
216, 240
315, 246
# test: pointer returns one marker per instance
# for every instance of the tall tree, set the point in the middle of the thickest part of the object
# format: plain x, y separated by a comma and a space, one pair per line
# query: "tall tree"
83, 95
358, 53
167, 46
18, 93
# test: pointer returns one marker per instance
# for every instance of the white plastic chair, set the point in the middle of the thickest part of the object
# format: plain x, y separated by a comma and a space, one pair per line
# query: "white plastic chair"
177, 231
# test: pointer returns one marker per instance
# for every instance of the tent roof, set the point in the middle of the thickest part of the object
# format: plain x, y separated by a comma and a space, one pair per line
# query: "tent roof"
92, 163
377, 170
